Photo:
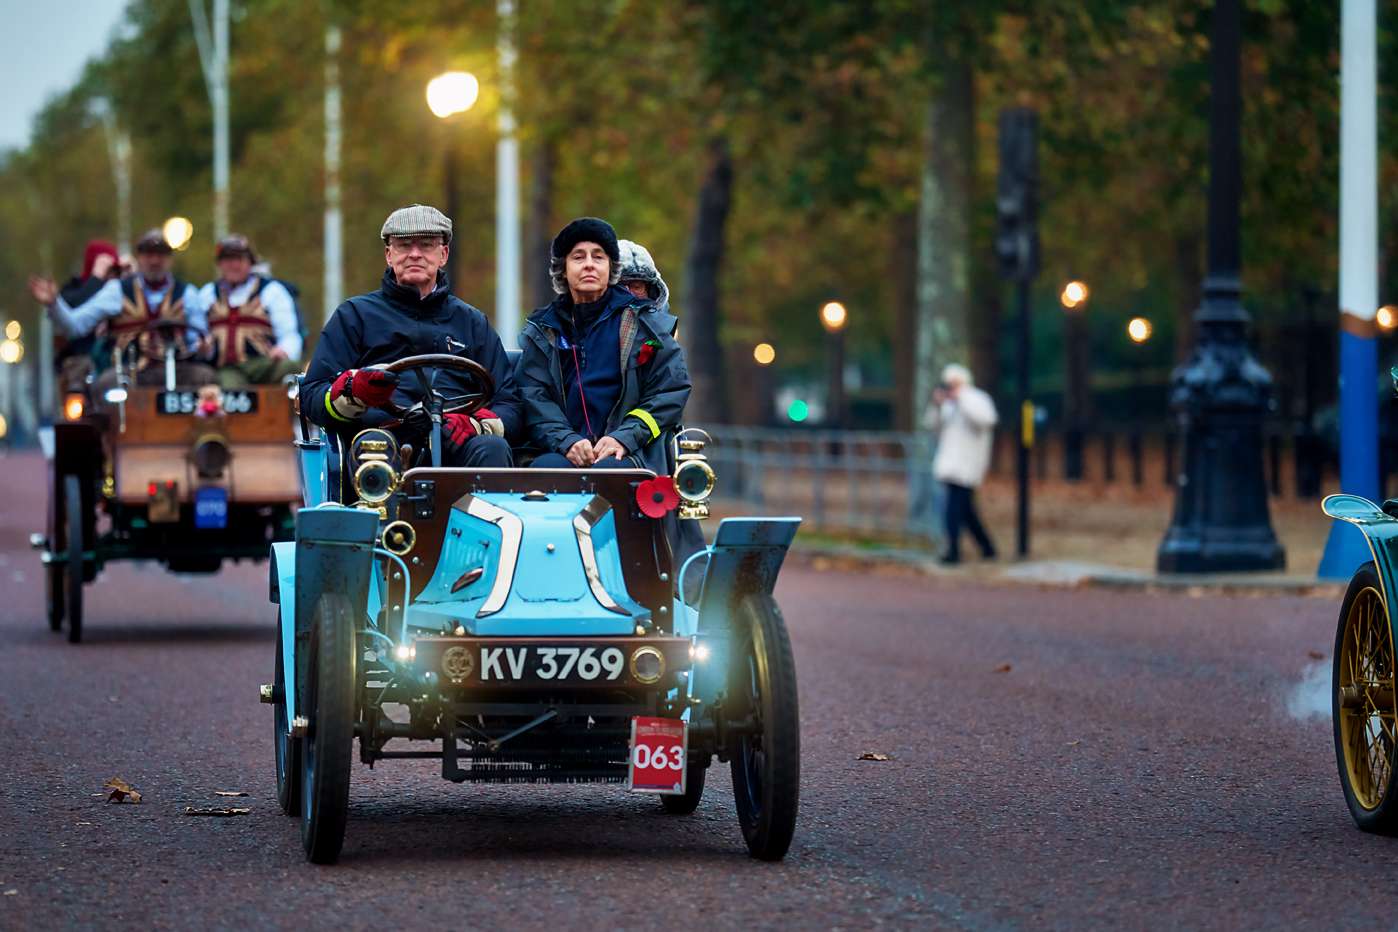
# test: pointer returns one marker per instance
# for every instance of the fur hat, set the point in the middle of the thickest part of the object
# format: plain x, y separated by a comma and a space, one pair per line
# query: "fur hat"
582, 230
417, 220
636, 265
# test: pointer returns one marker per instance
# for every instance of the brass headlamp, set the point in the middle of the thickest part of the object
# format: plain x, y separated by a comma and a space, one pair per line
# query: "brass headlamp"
694, 477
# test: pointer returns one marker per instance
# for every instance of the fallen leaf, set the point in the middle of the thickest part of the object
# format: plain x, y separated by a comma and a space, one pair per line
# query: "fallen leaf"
84, 823
11, 892
1003, 668
1315, 655
215, 811
874, 755
121, 791
229, 793
1073, 744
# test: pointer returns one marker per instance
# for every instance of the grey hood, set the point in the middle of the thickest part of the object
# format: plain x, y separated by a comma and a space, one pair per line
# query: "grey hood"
635, 265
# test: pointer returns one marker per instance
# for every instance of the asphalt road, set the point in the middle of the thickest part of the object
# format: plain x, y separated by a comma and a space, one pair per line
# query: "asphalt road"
1144, 761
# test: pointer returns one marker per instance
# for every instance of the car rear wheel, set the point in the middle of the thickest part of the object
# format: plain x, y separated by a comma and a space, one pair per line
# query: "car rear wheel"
328, 746
686, 802
288, 749
1364, 706
73, 568
765, 760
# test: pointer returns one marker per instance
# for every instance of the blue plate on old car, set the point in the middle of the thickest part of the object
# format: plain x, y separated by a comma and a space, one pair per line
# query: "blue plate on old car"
211, 508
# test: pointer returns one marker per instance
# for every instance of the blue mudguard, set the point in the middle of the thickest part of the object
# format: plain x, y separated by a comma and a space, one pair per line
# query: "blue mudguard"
745, 557
1380, 533
333, 551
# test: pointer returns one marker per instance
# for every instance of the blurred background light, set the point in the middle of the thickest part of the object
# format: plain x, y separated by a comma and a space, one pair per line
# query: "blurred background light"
764, 353
452, 92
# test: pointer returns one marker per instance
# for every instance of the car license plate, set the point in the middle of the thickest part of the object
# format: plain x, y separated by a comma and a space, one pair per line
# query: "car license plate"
211, 508
187, 402
659, 749
539, 664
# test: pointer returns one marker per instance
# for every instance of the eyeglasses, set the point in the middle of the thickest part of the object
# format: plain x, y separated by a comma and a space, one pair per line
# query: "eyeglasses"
406, 244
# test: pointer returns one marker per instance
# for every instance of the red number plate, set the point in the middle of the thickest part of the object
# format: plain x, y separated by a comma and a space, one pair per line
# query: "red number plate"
659, 747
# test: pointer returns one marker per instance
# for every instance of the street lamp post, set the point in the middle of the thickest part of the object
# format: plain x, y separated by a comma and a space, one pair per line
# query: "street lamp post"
1220, 394
834, 317
1077, 402
448, 94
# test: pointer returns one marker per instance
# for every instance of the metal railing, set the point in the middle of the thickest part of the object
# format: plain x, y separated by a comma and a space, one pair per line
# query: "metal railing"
876, 482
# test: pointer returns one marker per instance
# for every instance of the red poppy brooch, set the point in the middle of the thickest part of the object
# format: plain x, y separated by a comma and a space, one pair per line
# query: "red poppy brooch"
647, 352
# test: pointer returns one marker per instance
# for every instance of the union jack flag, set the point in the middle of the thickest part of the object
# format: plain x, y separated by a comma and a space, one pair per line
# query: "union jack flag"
243, 332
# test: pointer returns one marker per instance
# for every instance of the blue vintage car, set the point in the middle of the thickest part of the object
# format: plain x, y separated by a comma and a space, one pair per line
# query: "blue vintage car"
525, 626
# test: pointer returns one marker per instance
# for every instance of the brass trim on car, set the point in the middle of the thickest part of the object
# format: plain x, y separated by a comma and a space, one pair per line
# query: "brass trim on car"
647, 651
399, 537
390, 480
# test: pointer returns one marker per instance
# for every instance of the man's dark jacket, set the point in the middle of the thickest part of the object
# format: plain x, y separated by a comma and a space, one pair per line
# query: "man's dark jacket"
395, 322
651, 398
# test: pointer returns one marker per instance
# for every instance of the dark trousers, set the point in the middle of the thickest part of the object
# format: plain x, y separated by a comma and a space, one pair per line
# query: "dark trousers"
961, 512
482, 450
559, 461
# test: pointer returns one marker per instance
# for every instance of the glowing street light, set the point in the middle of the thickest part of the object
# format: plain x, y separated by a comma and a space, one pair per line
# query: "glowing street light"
833, 316
11, 351
764, 353
1139, 330
1074, 294
1386, 317
178, 231
12, 330
452, 92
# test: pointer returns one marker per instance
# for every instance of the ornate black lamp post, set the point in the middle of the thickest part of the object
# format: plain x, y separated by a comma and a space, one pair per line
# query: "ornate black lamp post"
1220, 395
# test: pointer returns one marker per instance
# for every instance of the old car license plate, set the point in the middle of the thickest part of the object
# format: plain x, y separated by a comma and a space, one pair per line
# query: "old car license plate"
211, 507
547, 664
187, 402
659, 747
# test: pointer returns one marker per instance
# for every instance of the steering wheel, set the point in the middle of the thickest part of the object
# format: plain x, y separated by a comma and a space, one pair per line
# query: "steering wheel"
158, 334
481, 384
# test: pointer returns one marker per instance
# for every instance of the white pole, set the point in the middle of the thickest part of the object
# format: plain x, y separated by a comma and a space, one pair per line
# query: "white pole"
1359, 221
213, 56
220, 107
507, 247
334, 228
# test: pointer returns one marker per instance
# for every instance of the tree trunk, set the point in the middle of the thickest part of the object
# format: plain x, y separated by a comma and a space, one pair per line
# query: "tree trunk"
1189, 282
944, 229
538, 231
907, 408
707, 400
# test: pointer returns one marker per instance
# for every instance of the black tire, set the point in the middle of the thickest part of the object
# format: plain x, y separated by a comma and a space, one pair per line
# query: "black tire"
1366, 717
53, 593
73, 570
53, 572
328, 746
766, 764
287, 749
686, 802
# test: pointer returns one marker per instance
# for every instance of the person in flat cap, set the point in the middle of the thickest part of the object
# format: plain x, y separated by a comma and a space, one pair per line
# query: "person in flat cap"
253, 323
602, 378
412, 313
127, 307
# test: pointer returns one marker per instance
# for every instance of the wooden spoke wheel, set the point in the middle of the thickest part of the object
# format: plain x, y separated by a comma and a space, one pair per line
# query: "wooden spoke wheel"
1365, 710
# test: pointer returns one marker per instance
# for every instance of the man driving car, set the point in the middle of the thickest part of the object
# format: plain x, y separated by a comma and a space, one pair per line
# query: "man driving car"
413, 313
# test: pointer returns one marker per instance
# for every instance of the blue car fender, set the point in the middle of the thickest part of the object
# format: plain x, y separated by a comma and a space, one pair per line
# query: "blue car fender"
745, 558
1380, 532
333, 551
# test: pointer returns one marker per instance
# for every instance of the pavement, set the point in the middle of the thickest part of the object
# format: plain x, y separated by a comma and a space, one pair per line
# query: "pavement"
1057, 758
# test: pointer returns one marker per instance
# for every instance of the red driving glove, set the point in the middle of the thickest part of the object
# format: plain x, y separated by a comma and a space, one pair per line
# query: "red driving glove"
457, 428
369, 387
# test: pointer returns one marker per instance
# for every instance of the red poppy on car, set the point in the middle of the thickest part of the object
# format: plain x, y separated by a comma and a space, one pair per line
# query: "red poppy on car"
656, 497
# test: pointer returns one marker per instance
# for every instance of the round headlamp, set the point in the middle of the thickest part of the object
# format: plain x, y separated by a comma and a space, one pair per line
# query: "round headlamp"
647, 665
375, 482
210, 457
399, 537
694, 480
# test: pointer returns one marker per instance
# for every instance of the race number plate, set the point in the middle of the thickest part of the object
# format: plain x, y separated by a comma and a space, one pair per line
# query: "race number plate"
659, 749
187, 402
211, 508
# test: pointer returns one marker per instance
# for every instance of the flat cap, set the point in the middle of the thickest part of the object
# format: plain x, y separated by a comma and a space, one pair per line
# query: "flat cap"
417, 220
153, 240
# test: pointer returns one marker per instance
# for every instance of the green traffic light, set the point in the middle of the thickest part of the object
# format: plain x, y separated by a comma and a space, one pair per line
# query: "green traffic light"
798, 411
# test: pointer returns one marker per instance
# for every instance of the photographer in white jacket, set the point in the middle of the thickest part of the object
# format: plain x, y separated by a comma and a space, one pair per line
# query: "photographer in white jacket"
964, 418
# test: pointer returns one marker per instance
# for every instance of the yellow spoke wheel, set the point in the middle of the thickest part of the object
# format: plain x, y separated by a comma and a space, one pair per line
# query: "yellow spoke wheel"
1364, 707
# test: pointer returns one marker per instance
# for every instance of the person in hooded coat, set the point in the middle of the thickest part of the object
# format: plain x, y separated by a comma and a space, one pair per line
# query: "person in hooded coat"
603, 381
